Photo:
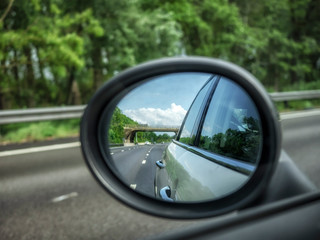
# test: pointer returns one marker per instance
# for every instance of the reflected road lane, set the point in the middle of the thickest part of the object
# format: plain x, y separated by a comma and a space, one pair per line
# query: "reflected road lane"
137, 165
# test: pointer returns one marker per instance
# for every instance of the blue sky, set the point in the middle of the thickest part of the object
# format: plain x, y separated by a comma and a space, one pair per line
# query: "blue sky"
164, 99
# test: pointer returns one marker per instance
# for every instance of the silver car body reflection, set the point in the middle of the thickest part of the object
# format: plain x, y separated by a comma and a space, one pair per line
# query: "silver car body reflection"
198, 168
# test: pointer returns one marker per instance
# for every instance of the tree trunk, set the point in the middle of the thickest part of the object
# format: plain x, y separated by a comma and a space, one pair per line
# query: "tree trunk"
69, 84
295, 34
97, 67
3, 73
75, 95
17, 86
31, 92
41, 66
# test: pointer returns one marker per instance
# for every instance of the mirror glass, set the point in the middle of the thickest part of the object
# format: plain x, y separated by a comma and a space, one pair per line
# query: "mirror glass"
183, 137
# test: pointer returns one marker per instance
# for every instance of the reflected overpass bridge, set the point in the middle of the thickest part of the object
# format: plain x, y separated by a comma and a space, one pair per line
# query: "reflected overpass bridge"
130, 131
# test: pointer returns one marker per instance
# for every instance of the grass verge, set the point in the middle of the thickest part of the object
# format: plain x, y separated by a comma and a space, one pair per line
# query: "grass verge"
297, 105
38, 131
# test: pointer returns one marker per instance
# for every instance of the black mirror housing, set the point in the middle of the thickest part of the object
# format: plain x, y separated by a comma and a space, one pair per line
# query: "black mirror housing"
106, 98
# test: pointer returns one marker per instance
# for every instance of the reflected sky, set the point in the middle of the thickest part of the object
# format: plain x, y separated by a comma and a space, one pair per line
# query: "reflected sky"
164, 100
162, 91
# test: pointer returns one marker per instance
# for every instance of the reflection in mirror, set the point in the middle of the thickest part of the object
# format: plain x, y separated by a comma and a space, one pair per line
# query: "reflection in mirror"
184, 137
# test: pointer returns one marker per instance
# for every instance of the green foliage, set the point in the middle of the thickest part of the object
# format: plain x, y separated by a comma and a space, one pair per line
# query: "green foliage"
278, 41
36, 131
243, 145
163, 138
297, 105
151, 137
70, 48
53, 50
57, 52
117, 124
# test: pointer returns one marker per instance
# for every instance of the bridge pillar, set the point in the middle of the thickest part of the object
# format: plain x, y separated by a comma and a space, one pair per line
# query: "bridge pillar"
129, 135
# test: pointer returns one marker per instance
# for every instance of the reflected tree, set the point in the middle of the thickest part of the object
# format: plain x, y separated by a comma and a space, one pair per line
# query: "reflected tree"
118, 121
242, 143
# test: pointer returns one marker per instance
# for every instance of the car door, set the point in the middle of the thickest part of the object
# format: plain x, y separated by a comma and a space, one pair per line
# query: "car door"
219, 142
165, 181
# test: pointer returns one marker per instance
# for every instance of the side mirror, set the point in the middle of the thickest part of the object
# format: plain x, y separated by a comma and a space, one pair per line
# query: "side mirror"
182, 137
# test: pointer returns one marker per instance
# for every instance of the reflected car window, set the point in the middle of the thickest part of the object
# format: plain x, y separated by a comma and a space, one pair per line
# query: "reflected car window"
188, 133
232, 125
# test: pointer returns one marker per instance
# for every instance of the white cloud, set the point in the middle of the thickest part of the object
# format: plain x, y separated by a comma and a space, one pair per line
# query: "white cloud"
172, 116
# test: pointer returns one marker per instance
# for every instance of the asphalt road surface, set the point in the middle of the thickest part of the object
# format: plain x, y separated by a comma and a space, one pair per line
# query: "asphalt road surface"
301, 140
136, 166
50, 194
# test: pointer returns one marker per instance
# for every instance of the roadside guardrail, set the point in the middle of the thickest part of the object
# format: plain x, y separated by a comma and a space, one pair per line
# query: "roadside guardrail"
298, 95
68, 112
41, 114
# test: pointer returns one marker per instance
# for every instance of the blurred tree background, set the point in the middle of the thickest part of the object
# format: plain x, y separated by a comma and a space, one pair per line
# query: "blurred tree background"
55, 52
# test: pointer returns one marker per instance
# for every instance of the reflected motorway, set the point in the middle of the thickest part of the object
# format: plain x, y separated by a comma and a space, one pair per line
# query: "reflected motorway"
136, 165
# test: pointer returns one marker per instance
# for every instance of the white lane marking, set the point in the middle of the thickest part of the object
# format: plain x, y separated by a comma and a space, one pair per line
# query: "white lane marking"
122, 150
112, 153
147, 154
64, 197
39, 149
299, 114
144, 162
129, 149
133, 186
